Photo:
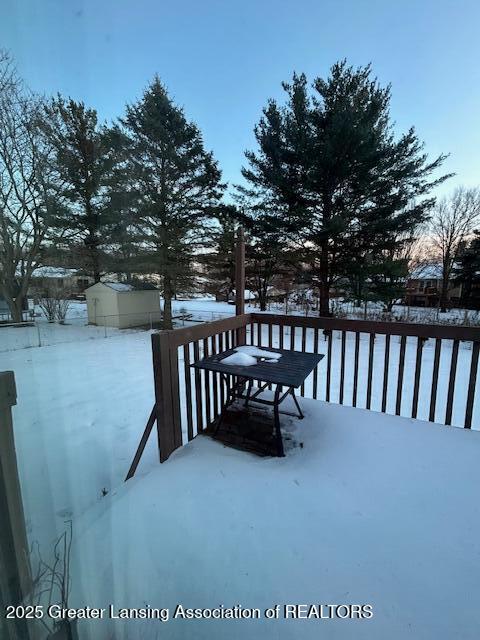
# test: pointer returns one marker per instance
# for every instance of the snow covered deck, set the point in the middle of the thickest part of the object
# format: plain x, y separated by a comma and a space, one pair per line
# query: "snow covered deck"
365, 508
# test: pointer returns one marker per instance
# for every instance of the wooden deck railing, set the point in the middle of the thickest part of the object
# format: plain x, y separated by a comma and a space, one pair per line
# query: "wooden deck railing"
188, 400
374, 365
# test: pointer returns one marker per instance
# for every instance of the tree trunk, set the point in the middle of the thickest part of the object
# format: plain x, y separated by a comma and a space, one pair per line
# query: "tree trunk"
358, 292
14, 305
466, 292
16, 310
167, 303
444, 295
262, 296
324, 288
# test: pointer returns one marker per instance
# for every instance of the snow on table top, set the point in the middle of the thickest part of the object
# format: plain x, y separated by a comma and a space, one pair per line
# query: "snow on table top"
247, 355
260, 353
240, 359
372, 509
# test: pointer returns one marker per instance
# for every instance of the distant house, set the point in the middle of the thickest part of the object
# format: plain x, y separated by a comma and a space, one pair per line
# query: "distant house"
276, 294
72, 281
424, 286
121, 305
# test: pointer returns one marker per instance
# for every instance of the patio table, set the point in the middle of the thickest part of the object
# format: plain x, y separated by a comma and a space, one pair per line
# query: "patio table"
289, 371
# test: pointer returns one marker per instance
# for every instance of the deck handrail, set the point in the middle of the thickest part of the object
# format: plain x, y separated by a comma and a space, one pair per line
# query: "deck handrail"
412, 329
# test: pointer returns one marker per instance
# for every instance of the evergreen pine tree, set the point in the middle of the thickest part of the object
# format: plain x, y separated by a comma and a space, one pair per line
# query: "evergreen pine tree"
466, 272
85, 157
177, 185
220, 262
328, 161
265, 251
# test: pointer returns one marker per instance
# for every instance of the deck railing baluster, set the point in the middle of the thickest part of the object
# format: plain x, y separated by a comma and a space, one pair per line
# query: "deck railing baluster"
471, 385
215, 379
386, 363
304, 341
292, 337
206, 383
418, 370
401, 366
371, 346
329, 366
342, 368
451, 383
198, 389
188, 389
436, 367
355, 368
315, 371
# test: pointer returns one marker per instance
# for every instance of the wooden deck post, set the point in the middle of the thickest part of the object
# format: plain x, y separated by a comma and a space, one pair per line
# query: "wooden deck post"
165, 372
240, 283
15, 573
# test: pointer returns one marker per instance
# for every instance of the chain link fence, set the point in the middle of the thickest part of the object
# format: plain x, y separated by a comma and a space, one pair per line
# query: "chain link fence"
38, 332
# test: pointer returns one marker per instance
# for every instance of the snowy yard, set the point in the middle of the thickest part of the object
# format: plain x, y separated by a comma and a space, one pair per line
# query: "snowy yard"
83, 404
372, 509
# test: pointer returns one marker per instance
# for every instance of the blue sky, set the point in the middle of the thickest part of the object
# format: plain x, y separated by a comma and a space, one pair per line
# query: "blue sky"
222, 60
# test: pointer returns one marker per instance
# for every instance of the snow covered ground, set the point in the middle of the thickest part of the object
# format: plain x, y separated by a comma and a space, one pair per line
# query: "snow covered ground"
83, 404
372, 509
364, 509
43, 333
81, 409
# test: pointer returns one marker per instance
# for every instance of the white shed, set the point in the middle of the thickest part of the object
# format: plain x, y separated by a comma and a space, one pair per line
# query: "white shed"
116, 304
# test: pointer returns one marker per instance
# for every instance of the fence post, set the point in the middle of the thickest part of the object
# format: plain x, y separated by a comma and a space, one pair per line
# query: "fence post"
240, 284
15, 572
165, 373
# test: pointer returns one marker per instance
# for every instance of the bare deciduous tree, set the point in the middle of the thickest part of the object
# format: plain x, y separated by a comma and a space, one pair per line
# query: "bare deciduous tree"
452, 222
54, 301
27, 204
63, 305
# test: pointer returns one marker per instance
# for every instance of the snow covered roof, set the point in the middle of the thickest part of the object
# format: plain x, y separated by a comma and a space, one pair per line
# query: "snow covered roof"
428, 271
123, 286
118, 286
53, 272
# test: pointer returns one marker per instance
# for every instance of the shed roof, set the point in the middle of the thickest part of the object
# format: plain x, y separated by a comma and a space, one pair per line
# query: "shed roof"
123, 287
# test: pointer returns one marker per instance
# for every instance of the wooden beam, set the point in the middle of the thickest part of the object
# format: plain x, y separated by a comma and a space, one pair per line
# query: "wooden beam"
165, 373
185, 335
15, 572
240, 282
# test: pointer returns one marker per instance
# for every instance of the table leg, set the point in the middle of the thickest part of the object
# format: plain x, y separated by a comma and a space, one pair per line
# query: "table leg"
223, 378
300, 414
249, 391
278, 433
231, 395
